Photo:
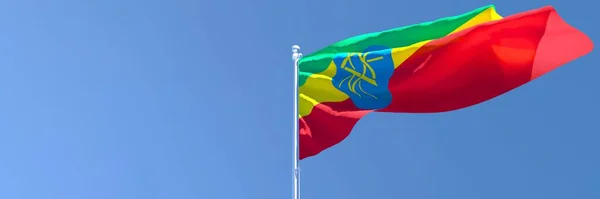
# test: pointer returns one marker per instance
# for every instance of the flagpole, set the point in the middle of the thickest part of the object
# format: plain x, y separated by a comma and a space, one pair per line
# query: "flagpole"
296, 55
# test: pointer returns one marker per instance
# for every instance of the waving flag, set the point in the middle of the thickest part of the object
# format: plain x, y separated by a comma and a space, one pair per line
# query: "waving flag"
438, 66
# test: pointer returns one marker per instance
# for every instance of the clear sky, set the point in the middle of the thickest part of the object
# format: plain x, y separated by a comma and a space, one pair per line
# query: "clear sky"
192, 99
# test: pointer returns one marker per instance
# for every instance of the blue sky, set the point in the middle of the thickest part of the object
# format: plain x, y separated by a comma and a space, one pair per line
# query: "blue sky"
193, 99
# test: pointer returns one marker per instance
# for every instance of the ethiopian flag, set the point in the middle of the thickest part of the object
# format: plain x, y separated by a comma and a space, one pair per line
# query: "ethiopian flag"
437, 66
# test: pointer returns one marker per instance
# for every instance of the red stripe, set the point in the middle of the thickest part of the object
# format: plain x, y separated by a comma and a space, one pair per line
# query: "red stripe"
327, 125
483, 62
459, 71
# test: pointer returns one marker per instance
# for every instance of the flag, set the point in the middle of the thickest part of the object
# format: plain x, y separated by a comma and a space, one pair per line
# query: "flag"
443, 65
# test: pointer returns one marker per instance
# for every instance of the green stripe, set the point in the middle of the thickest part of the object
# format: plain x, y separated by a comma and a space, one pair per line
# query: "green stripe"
398, 37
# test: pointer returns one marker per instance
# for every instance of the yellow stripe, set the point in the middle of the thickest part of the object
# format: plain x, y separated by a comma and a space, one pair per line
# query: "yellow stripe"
400, 55
487, 15
318, 88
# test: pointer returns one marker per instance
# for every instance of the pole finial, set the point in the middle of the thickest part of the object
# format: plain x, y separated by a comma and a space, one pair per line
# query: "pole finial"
296, 55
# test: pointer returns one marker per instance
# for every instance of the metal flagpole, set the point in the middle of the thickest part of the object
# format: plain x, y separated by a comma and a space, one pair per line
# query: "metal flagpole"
296, 55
